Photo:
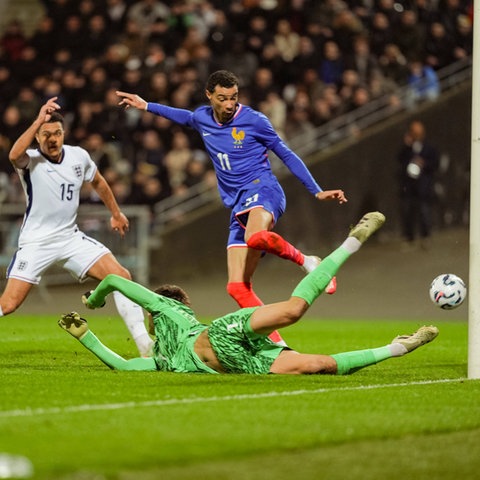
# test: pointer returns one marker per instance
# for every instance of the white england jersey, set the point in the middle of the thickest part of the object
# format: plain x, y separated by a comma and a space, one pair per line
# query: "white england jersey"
52, 193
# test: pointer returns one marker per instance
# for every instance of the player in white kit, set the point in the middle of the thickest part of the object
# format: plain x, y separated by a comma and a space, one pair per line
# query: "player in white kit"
52, 176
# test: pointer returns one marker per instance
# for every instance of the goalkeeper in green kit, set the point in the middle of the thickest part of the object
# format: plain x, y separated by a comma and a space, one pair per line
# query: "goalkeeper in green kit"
238, 342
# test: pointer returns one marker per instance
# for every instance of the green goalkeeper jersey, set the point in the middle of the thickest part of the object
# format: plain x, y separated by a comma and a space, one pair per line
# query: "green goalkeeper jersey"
238, 348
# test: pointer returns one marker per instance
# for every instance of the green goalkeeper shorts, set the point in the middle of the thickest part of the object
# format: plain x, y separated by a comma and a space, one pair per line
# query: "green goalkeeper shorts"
238, 348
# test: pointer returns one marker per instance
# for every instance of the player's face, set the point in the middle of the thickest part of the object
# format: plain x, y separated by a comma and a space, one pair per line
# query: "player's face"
50, 138
224, 102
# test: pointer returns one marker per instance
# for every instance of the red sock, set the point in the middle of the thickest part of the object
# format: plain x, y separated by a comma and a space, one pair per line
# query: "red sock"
273, 243
244, 295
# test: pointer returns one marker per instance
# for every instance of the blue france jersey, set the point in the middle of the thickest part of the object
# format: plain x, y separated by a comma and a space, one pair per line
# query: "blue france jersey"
238, 148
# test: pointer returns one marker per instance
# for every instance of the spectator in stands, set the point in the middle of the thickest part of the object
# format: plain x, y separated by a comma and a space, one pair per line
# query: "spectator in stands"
58, 11
196, 169
12, 124
27, 103
321, 112
360, 98
275, 108
286, 40
308, 57
85, 121
463, 38
346, 88
439, 47
115, 15
220, 35
97, 36
8, 86
105, 155
298, 124
150, 158
177, 158
258, 34
44, 39
28, 66
410, 35
310, 82
362, 60
333, 99
380, 33
346, 27
74, 35
423, 83
13, 41
332, 65
271, 59
146, 13
394, 65
262, 85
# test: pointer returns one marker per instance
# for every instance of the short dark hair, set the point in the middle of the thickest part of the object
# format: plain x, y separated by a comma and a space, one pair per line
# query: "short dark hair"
175, 292
56, 117
224, 78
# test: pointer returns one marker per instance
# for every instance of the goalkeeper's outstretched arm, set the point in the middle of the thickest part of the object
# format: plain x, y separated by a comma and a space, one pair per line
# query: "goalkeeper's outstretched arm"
134, 291
78, 328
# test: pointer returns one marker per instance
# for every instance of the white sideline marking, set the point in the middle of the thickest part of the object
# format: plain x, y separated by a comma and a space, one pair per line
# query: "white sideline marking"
31, 412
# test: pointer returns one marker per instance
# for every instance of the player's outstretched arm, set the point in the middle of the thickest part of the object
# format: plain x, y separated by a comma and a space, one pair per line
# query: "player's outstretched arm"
78, 328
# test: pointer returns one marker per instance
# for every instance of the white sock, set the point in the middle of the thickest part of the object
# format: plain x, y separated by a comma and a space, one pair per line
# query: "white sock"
1, 312
352, 244
132, 315
397, 349
310, 263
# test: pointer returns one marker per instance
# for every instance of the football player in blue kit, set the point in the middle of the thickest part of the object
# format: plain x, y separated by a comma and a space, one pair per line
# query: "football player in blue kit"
237, 139
52, 176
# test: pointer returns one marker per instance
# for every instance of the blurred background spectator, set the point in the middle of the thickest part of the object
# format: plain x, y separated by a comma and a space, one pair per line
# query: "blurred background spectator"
418, 161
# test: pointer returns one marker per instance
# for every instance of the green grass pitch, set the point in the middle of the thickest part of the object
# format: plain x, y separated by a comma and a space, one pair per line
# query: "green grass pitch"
414, 417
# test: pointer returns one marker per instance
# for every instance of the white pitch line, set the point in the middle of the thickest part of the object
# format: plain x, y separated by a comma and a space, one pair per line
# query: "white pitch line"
32, 412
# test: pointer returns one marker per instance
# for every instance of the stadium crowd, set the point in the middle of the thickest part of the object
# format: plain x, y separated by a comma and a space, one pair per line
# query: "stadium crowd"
301, 62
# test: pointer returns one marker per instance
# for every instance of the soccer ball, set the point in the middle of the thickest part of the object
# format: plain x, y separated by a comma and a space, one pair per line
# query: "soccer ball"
448, 291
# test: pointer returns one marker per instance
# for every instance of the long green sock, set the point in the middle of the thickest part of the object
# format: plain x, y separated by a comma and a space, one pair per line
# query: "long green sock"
315, 282
350, 362
114, 361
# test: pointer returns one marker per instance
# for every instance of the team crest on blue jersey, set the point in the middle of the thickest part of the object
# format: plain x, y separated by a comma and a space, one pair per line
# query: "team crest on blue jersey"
238, 137
78, 170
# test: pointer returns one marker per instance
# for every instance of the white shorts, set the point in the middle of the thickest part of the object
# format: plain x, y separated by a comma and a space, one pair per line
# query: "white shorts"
76, 253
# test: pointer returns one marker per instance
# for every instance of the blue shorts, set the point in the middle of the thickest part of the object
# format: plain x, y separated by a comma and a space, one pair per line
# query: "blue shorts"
266, 194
